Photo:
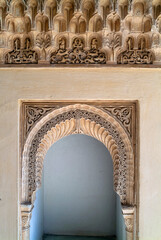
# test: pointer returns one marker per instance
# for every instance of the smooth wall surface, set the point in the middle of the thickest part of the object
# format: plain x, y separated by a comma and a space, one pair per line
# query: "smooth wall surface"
143, 85
78, 188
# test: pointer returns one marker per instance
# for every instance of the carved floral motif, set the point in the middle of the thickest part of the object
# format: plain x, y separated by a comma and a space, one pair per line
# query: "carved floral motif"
78, 55
33, 114
43, 40
112, 40
135, 57
21, 55
123, 114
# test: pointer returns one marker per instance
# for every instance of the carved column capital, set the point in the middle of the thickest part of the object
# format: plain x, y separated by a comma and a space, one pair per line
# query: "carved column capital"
128, 214
129, 223
26, 210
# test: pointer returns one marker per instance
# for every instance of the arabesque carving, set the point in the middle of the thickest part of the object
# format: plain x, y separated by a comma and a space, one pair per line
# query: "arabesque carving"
21, 55
135, 57
123, 114
77, 55
46, 125
109, 127
33, 114
112, 22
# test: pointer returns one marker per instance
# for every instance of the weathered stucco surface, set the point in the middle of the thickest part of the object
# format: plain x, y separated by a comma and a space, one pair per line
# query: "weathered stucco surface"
143, 85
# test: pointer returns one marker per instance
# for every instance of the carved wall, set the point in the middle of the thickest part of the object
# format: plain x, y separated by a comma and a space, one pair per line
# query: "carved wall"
113, 125
80, 32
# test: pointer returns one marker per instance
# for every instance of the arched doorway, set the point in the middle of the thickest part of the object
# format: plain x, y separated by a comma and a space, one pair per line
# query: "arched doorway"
80, 119
76, 197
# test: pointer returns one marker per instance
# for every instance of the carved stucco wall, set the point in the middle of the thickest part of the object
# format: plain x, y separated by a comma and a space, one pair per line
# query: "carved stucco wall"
109, 125
80, 32
81, 84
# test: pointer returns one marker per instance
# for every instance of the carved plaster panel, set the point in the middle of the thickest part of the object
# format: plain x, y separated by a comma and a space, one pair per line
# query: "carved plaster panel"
80, 32
83, 119
112, 123
124, 114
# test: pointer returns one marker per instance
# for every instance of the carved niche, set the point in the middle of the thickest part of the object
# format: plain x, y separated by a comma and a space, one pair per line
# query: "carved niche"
113, 24
111, 123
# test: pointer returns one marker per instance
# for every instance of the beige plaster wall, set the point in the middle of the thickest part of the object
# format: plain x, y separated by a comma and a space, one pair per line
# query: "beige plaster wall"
80, 84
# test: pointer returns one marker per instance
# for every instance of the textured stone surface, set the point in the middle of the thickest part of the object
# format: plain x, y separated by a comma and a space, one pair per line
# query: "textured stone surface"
80, 32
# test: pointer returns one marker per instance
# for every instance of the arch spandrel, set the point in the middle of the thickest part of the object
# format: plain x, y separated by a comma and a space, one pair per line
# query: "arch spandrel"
85, 119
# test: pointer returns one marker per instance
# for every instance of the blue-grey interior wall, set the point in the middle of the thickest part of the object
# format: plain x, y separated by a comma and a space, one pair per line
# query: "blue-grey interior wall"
120, 223
78, 188
37, 219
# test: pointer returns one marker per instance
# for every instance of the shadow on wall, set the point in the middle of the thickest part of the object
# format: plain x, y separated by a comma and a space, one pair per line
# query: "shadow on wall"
77, 196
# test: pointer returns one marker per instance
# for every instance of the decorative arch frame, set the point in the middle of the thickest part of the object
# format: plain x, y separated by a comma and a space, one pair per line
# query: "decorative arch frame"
78, 119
